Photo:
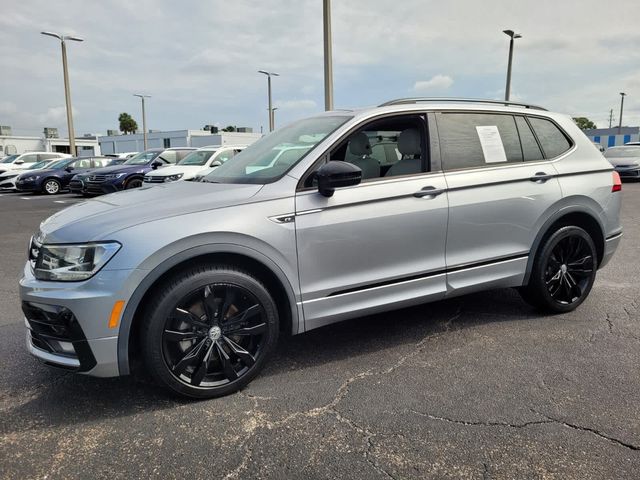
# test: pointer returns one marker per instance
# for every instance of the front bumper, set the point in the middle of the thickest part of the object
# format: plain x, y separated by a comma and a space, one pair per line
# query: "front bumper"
68, 322
28, 186
9, 184
100, 188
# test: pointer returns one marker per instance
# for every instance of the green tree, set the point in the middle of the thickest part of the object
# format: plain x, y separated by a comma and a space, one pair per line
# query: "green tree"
584, 123
230, 128
127, 123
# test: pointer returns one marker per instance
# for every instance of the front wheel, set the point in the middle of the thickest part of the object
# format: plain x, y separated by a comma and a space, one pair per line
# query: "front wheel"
209, 331
563, 271
133, 183
51, 186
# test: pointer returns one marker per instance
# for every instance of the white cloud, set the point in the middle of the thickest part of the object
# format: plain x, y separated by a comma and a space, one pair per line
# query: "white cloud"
437, 82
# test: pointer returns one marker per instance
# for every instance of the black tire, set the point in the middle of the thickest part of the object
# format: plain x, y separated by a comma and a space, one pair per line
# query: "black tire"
564, 270
51, 186
135, 182
208, 331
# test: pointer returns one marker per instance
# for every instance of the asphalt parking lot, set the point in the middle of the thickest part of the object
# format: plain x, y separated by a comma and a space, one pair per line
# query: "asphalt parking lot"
480, 386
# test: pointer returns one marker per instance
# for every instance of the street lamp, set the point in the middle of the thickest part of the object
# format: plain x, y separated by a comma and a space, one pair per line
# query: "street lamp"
67, 90
328, 61
622, 95
144, 117
269, 75
513, 35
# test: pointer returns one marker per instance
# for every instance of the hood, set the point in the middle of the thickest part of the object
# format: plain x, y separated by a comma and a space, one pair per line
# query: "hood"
173, 169
98, 218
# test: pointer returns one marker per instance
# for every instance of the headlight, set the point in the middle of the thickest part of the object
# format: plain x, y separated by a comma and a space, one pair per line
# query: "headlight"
30, 178
70, 263
173, 178
113, 176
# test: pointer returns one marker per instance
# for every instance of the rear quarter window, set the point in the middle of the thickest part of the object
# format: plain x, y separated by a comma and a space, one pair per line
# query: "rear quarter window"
553, 141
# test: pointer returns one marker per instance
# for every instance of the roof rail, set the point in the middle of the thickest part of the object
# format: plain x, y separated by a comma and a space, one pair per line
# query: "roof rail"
405, 101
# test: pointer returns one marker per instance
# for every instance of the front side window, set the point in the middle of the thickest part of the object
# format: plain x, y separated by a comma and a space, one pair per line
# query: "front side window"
469, 140
269, 158
384, 148
168, 156
553, 141
31, 158
197, 158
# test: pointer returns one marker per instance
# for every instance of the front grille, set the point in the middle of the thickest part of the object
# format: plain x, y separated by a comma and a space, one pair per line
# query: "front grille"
153, 179
96, 178
76, 184
56, 330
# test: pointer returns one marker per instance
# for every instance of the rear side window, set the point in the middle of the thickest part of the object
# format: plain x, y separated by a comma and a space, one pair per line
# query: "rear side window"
469, 140
530, 148
553, 141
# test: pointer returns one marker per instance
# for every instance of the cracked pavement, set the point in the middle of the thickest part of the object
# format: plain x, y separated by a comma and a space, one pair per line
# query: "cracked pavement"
480, 386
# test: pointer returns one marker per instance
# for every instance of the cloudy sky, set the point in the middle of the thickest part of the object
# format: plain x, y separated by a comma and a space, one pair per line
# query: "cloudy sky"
198, 59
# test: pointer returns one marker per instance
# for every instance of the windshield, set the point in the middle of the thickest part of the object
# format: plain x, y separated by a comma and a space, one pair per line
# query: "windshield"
198, 157
143, 158
273, 155
9, 159
60, 163
38, 165
622, 152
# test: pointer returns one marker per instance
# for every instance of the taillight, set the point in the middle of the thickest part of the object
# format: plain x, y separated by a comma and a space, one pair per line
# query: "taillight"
617, 183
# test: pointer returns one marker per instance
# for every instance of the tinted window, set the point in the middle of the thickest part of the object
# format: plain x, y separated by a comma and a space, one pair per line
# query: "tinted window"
169, 156
33, 157
476, 139
530, 148
47, 156
553, 141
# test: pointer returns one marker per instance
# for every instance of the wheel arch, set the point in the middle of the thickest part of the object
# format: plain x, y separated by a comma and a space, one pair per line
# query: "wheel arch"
50, 177
578, 216
251, 260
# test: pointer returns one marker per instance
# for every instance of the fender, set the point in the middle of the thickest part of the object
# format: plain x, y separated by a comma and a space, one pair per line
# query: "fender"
561, 212
164, 266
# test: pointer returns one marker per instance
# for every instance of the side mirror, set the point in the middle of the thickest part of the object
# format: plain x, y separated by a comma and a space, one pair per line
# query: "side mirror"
69, 168
215, 163
336, 174
19, 162
156, 164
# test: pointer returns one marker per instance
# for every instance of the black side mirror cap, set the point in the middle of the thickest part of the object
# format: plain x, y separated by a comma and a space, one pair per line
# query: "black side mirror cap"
336, 174
156, 164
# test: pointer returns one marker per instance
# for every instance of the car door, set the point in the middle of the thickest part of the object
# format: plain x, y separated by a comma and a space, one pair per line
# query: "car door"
379, 244
500, 190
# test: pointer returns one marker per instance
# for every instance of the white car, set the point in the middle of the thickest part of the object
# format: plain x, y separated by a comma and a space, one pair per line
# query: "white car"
8, 179
203, 159
25, 160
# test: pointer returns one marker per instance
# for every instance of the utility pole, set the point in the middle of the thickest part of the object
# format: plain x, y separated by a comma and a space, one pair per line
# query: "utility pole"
67, 89
622, 95
513, 35
610, 117
328, 61
270, 107
144, 118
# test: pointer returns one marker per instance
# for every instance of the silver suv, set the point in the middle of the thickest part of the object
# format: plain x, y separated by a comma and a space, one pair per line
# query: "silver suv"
410, 202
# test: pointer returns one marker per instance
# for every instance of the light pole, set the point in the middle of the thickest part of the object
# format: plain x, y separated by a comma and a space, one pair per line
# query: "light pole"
273, 116
513, 35
144, 118
622, 95
67, 90
328, 61
269, 75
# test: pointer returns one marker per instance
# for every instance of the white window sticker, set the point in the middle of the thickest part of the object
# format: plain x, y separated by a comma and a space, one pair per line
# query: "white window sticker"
492, 146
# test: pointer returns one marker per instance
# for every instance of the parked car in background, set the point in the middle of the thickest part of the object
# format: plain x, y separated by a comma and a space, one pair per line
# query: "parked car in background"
57, 175
193, 282
129, 174
8, 179
15, 162
125, 155
625, 160
600, 147
193, 164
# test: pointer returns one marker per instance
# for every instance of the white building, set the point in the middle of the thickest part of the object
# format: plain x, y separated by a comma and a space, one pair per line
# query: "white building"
12, 144
175, 138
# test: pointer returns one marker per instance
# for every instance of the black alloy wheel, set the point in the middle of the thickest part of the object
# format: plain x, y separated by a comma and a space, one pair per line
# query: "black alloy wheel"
133, 183
210, 331
563, 272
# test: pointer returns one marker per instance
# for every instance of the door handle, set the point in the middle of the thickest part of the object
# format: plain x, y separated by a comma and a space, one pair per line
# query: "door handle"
540, 177
428, 192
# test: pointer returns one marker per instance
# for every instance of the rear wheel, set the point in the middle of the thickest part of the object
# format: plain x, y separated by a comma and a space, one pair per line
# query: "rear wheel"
563, 271
209, 332
51, 186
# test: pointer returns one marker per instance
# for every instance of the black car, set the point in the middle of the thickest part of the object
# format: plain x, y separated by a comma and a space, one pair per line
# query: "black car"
57, 176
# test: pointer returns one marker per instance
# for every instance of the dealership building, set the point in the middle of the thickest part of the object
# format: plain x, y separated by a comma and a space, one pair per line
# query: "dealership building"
10, 144
612, 137
175, 138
